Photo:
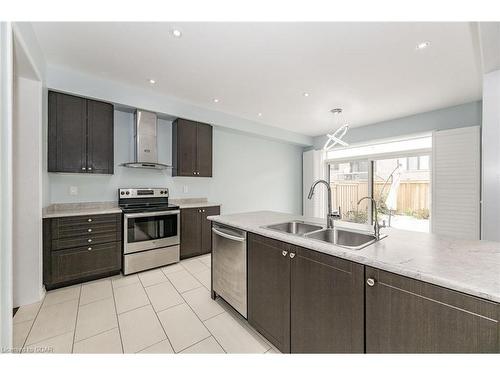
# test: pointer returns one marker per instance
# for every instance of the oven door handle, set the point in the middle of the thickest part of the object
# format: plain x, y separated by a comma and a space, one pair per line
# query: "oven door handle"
228, 236
148, 214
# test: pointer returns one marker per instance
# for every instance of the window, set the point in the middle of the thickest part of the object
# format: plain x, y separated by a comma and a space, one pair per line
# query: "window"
401, 184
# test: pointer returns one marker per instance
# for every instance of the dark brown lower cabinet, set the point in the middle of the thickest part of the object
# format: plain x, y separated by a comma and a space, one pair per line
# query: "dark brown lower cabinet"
269, 289
303, 301
196, 231
404, 315
81, 248
327, 304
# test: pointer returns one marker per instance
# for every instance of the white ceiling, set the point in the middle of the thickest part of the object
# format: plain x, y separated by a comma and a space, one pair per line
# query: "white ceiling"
371, 70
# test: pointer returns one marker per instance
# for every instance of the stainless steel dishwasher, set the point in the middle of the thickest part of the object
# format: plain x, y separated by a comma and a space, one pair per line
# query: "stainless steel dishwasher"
229, 266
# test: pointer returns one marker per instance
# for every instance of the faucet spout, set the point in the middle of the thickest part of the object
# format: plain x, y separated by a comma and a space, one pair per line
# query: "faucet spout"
331, 216
376, 225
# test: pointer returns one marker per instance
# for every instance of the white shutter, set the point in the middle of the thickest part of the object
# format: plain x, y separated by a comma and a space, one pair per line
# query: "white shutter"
456, 183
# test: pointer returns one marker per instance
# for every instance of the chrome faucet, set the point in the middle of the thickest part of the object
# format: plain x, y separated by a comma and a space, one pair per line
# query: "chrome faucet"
376, 225
331, 216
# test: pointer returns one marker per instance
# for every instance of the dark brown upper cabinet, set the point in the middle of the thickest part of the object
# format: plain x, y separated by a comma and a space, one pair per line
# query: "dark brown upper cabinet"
80, 135
404, 315
196, 231
191, 148
303, 301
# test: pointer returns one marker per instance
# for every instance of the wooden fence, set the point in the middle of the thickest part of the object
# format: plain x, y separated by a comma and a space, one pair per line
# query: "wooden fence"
412, 195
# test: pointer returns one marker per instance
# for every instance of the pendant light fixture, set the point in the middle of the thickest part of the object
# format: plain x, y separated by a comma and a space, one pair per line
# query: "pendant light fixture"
336, 137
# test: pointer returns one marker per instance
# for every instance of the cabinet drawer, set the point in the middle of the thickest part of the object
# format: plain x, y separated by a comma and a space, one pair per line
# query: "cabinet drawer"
70, 221
87, 240
77, 230
81, 262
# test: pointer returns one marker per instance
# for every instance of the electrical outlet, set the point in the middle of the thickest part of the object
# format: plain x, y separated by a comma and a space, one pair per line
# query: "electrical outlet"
185, 189
73, 190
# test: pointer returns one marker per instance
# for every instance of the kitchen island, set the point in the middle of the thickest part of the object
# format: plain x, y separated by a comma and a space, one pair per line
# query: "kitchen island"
408, 292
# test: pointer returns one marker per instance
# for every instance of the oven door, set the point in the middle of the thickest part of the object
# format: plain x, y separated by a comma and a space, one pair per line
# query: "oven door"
150, 230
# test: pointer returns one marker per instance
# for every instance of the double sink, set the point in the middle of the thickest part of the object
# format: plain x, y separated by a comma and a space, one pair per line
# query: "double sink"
337, 236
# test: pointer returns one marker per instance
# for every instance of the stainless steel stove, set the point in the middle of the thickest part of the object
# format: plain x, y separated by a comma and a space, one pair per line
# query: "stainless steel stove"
151, 229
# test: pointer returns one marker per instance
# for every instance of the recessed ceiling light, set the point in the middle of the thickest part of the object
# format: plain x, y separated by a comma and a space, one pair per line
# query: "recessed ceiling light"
259, 114
216, 100
152, 81
306, 94
422, 45
176, 33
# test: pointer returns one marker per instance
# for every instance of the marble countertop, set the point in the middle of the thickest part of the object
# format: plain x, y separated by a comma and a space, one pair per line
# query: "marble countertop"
471, 267
193, 202
80, 209
101, 208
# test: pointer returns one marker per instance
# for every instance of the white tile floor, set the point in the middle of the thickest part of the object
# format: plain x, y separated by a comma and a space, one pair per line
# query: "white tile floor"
167, 310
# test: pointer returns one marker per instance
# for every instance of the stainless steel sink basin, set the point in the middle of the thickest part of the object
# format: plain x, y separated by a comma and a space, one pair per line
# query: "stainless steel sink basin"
295, 227
343, 238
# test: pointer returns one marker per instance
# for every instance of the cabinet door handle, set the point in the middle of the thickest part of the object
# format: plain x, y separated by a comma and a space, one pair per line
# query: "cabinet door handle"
89, 248
284, 252
370, 282
89, 240
84, 169
202, 210
90, 168
89, 220
89, 230
194, 172
292, 255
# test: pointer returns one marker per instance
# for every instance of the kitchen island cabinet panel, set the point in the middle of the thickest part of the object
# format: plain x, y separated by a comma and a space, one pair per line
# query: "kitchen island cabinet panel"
327, 304
404, 315
269, 289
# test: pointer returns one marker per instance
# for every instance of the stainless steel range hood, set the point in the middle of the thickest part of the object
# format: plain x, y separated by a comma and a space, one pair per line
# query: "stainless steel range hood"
145, 142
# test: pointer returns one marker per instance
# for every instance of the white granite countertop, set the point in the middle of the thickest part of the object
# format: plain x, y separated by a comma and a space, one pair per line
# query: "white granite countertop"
192, 202
80, 209
471, 267
101, 208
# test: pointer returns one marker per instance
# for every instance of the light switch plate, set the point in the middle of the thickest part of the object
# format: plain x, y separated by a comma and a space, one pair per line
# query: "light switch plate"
73, 190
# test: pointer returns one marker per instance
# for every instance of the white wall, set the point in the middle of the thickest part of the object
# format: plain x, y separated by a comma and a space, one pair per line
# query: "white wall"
249, 172
490, 214
6, 87
27, 194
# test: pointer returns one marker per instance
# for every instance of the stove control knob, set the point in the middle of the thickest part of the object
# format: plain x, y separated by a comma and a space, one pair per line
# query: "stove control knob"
128, 192
122, 193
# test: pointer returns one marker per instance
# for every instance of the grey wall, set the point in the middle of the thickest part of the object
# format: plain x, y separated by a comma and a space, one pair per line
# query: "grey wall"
463, 115
250, 172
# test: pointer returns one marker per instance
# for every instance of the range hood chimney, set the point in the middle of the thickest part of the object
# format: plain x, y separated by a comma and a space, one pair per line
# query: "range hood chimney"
145, 142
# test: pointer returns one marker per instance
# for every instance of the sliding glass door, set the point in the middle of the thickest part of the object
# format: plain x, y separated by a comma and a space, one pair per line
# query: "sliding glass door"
349, 181
400, 185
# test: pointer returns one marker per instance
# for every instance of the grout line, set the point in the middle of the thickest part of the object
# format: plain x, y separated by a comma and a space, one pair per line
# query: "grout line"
97, 334
116, 313
32, 324
157, 317
202, 322
76, 320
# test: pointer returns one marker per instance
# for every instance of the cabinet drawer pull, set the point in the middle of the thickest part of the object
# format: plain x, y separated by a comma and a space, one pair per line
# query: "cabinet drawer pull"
89, 248
89, 240
89, 220
370, 282
292, 255
89, 230
284, 253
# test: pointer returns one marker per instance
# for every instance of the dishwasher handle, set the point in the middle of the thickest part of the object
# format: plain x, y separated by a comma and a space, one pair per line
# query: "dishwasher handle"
227, 235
